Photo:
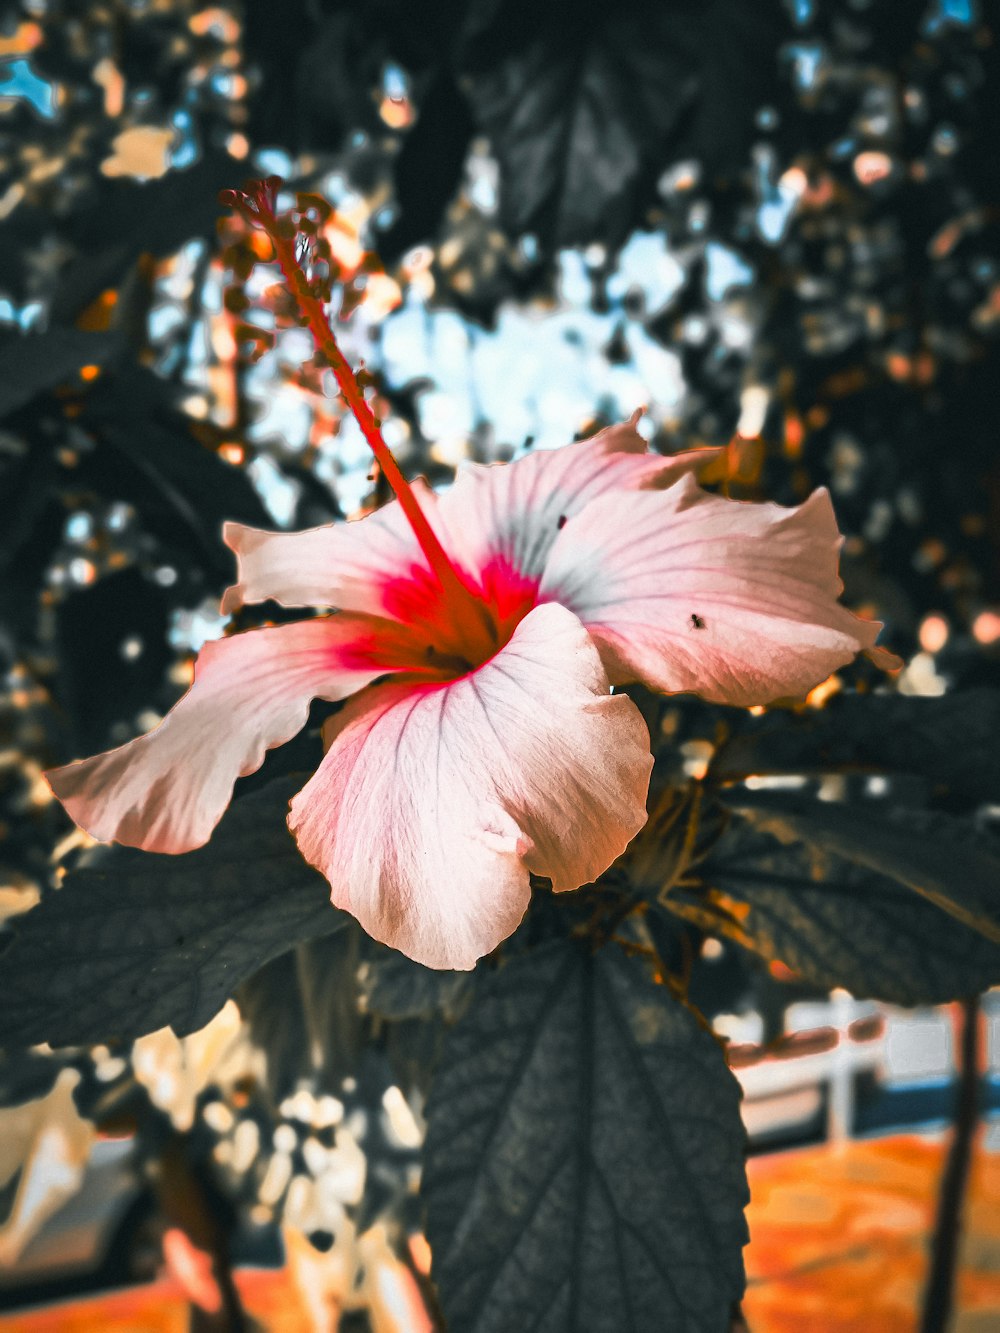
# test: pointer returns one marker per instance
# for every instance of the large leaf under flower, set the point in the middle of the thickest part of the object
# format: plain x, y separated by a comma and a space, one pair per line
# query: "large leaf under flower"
137, 941
949, 741
836, 922
584, 1159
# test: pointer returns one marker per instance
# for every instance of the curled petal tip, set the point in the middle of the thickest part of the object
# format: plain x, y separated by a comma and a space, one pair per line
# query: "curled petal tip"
884, 659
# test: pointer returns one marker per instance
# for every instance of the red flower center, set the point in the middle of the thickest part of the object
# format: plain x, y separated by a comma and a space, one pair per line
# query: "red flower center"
460, 638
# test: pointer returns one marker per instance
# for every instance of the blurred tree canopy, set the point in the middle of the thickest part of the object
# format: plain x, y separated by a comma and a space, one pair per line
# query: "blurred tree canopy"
775, 221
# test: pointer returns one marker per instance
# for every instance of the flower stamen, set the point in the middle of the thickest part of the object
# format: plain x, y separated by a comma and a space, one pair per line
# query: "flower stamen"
257, 203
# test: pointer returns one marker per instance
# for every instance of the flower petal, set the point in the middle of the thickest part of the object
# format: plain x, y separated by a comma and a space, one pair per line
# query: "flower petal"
690, 592
356, 566
505, 517
434, 802
167, 790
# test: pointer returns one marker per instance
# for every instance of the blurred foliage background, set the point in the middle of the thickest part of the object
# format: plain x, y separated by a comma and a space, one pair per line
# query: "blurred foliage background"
775, 221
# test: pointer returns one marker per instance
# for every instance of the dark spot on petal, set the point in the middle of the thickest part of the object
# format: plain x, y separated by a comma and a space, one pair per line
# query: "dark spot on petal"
562, 521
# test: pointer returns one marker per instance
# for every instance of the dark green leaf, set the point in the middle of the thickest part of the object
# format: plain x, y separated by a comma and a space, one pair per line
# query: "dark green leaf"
33, 363
838, 924
950, 740
586, 103
26, 1075
125, 218
428, 167
26, 478
150, 457
141, 940
413, 1048
98, 684
32, 527
946, 860
584, 1158
394, 986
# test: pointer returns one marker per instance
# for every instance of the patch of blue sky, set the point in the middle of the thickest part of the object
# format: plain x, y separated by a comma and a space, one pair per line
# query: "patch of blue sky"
503, 396
19, 80
736, 333
394, 81
539, 375
211, 292
450, 349
775, 212
176, 283
659, 370
26, 317
343, 464
806, 58
352, 488
272, 162
78, 527
335, 188
724, 270
573, 283
164, 320
841, 149
353, 450
960, 13
483, 182
185, 149
445, 416
285, 414
191, 629
647, 265
197, 352
528, 246
405, 351
536, 374
558, 417
384, 217
802, 11
295, 347
437, 346
279, 493
645, 426
626, 391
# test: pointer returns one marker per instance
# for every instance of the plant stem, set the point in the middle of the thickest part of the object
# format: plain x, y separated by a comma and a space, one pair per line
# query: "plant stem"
940, 1290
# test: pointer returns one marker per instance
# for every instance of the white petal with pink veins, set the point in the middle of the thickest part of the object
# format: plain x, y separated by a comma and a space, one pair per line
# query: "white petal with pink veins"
356, 566
690, 592
166, 791
509, 515
434, 802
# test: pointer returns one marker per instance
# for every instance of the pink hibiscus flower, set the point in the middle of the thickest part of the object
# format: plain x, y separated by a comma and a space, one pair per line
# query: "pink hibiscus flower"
478, 635
483, 741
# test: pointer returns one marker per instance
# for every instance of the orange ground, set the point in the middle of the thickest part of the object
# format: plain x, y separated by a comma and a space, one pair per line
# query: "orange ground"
161, 1308
839, 1247
839, 1239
